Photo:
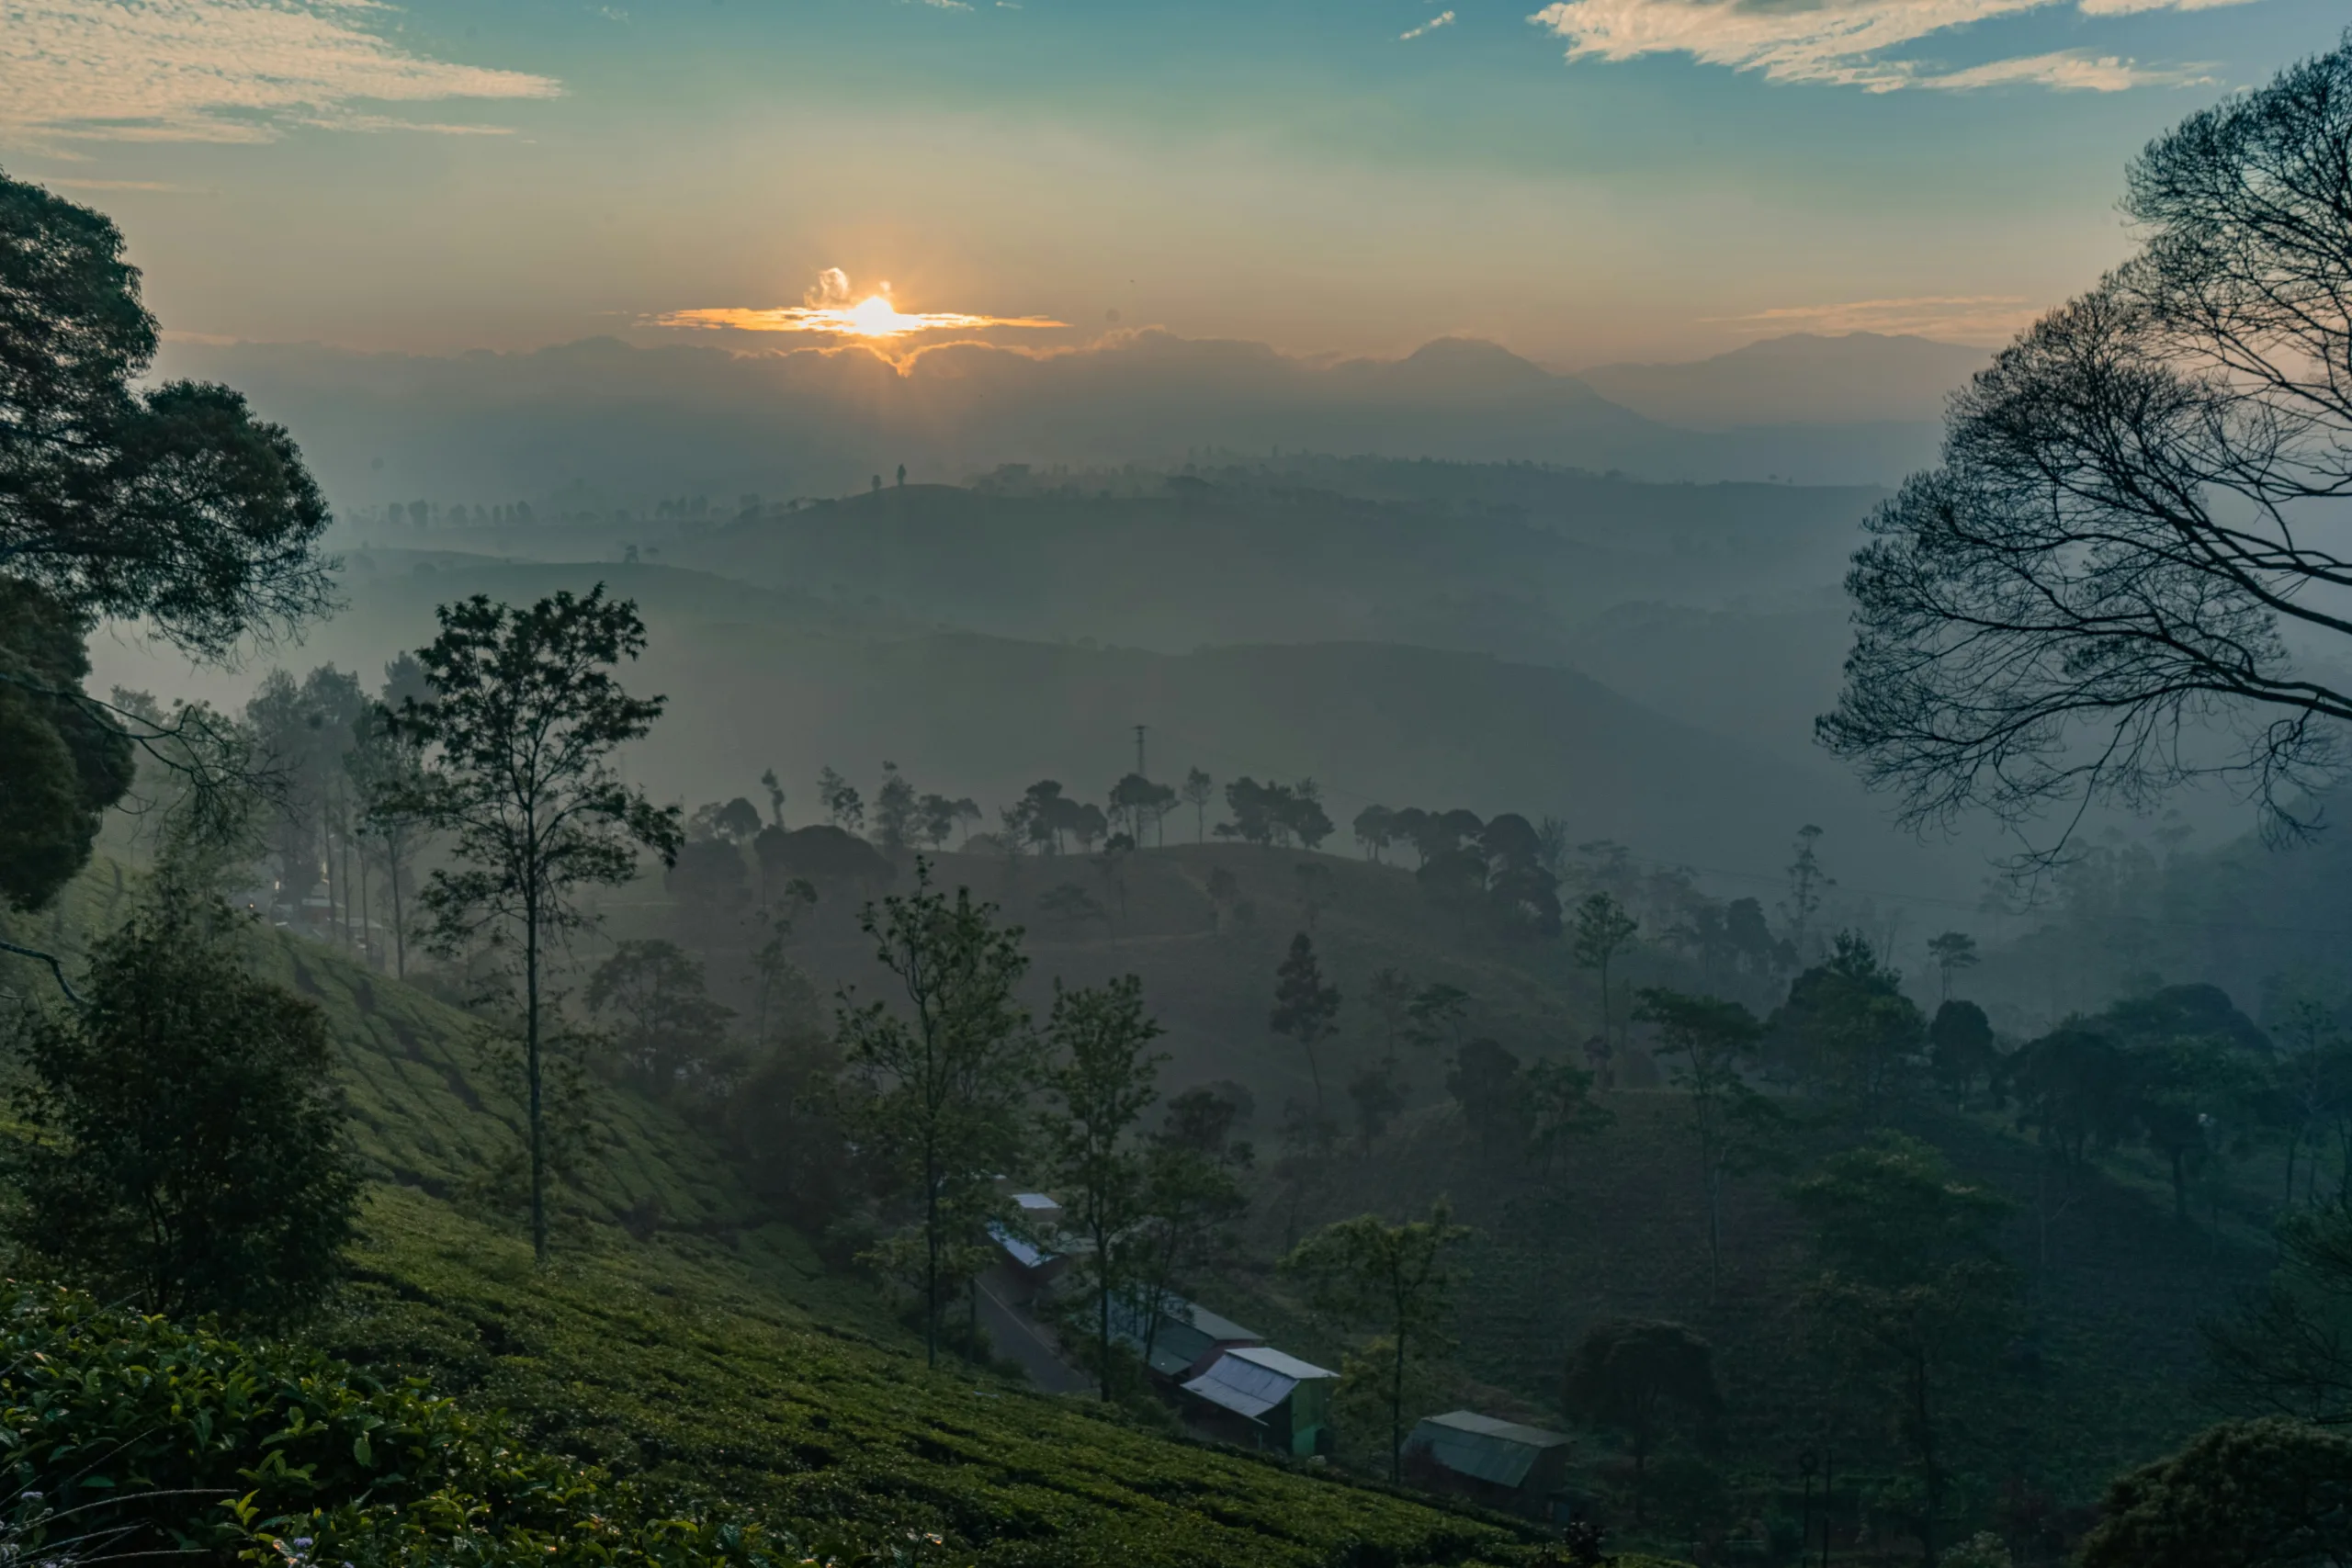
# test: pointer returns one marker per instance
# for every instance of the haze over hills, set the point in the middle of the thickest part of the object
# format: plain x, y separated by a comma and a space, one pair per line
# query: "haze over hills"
619, 424
766, 678
1803, 378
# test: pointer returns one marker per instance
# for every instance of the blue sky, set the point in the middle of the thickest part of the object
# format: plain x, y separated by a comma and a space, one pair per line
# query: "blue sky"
1599, 179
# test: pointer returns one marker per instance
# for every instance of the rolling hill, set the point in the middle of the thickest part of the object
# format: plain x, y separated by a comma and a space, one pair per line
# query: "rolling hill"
685, 1340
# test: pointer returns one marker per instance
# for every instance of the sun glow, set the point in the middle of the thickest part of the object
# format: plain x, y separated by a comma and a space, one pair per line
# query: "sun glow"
826, 309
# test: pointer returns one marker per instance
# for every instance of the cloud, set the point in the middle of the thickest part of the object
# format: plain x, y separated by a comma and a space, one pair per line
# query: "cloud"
219, 71
2133, 7
831, 307
1443, 19
1848, 42
1954, 318
2067, 71
831, 290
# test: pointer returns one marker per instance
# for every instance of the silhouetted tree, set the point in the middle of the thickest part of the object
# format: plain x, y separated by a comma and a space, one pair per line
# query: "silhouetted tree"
666, 1030
1852, 1028
1099, 1083
844, 807
1199, 790
2125, 539
942, 1082
1393, 1277
1486, 1083
1602, 930
519, 738
1560, 1107
895, 805
168, 502
1304, 1007
1910, 1285
1711, 1044
1952, 951
1960, 1049
188, 1148
2270, 1494
1643, 1380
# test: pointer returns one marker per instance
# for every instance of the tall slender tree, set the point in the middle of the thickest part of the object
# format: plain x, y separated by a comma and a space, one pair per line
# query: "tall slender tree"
1304, 1007
1199, 790
1712, 1043
1392, 1279
1100, 1081
518, 737
1602, 930
941, 1081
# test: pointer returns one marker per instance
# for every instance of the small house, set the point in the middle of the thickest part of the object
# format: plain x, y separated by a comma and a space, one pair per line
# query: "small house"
1182, 1339
1026, 1265
1500, 1463
1257, 1395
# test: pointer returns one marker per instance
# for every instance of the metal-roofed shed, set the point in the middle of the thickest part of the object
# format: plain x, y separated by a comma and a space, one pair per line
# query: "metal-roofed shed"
1501, 1462
1258, 1395
1184, 1338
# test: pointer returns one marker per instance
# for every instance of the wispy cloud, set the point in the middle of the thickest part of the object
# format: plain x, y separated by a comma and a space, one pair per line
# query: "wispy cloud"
1955, 318
2067, 71
1860, 43
1443, 19
224, 71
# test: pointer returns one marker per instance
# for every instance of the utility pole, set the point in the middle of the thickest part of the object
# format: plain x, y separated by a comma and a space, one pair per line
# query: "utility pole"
1140, 767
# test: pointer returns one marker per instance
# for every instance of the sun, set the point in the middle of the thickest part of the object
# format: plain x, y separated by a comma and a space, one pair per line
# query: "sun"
826, 310
877, 317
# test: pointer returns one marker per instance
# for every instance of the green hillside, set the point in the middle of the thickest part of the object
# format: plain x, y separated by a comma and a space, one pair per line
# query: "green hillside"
681, 1342
688, 1337
2107, 1372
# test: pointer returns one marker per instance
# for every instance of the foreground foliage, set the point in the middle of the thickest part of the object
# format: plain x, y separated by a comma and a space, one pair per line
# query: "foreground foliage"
188, 1150
125, 1434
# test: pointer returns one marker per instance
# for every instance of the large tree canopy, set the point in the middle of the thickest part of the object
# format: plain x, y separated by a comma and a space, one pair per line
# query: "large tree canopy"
173, 505
2111, 582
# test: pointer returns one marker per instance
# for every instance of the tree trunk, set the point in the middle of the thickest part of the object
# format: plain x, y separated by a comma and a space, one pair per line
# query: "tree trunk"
531, 1071
1397, 1411
931, 1262
1931, 1474
399, 919
1714, 1229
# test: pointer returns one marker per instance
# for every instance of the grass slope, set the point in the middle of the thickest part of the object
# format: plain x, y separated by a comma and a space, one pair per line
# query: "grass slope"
709, 1356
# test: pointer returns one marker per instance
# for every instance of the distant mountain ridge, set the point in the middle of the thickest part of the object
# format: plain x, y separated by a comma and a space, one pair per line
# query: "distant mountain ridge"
1800, 379
627, 424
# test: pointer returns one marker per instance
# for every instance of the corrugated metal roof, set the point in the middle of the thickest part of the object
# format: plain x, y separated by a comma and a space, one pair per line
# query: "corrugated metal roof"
1467, 1443
1280, 1362
1243, 1387
1019, 1251
1036, 1202
1187, 1330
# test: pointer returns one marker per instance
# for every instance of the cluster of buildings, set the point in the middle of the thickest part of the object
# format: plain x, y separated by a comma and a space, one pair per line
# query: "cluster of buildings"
1232, 1386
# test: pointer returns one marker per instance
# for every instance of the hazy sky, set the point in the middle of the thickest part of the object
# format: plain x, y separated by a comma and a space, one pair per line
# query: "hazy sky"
1600, 179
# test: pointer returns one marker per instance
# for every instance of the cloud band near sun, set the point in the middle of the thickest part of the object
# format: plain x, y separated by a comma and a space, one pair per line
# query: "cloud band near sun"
829, 307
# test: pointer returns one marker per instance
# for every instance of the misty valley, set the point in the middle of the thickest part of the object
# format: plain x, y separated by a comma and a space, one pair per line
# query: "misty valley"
863, 934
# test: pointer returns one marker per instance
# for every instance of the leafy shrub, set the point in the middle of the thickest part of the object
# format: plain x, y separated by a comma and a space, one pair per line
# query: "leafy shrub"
121, 1434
